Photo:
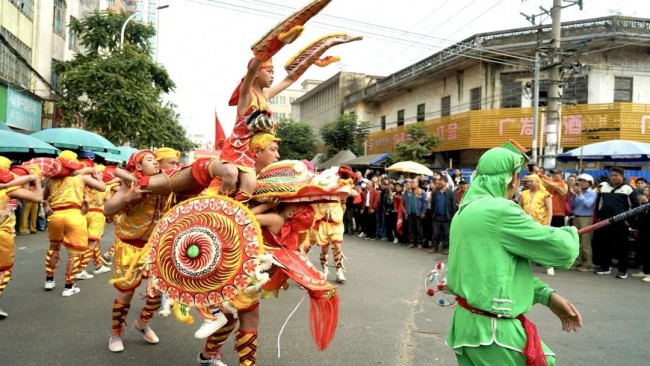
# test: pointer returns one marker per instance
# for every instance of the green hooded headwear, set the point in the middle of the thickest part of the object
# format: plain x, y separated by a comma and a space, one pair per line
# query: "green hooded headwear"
494, 173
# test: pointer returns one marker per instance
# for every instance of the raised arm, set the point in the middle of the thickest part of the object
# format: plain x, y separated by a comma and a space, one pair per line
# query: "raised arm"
246, 88
278, 88
94, 183
25, 194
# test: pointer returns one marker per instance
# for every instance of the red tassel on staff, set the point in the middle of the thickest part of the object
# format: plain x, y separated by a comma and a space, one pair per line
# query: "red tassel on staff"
323, 318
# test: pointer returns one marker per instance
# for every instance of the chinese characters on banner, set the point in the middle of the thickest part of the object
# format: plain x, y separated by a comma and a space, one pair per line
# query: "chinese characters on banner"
571, 126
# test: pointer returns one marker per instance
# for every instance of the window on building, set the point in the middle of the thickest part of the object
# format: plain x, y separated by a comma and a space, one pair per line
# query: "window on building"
400, 118
623, 89
59, 16
383, 122
421, 110
475, 99
25, 6
576, 89
72, 38
12, 68
511, 95
54, 77
445, 106
292, 99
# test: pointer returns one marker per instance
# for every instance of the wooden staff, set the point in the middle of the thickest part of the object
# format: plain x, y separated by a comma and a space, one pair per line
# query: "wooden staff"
618, 218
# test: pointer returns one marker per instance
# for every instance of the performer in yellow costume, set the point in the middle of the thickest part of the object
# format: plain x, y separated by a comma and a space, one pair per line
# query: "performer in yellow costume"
137, 214
96, 223
66, 224
8, 219
112, 186
328, 231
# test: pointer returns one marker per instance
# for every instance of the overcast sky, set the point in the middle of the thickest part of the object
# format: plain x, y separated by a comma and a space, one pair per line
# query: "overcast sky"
205, 44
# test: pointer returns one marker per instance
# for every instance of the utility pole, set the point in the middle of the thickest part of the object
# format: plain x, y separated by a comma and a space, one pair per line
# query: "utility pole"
553, 123
536, 106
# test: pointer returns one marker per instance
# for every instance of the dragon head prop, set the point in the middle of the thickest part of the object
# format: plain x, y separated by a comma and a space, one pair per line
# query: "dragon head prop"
291, 181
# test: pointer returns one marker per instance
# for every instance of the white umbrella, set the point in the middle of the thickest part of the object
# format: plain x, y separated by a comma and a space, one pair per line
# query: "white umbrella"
410, 167
613, 150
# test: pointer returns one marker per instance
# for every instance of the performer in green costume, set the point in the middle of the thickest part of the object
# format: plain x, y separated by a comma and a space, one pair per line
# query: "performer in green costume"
493, 243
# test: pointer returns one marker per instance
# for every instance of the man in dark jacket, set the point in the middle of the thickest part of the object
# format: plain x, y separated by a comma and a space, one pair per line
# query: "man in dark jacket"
443, 208
614, 197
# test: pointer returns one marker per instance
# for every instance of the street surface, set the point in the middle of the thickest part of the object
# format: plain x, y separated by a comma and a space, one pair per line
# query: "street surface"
385, 318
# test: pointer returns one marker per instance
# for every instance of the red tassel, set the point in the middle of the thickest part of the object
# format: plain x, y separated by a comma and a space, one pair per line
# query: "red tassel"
323, 319
533, 350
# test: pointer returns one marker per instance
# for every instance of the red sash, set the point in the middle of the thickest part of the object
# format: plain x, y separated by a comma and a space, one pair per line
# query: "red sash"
533, 350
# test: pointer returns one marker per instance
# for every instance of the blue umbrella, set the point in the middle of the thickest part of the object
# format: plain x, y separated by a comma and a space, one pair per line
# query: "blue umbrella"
14, 142
613, 150
75, 139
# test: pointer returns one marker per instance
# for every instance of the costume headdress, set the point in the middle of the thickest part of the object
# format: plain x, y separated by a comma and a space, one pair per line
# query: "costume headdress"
261, 140
69, 162
166, 152
494, 172
135, 159
5, 174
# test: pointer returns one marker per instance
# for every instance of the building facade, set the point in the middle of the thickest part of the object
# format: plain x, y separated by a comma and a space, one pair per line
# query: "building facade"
324, 103
34, 36
478, 92
281, 104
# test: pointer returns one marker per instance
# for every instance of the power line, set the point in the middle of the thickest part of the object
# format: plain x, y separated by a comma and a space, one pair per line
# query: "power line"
398, 38
456, 31
229, 6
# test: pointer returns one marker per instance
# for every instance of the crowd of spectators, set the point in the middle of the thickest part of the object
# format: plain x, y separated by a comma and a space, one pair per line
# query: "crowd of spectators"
417, 212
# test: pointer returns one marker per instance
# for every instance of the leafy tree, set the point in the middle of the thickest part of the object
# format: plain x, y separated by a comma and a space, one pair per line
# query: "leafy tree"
345, 133
117, 90
298, 140
416, 144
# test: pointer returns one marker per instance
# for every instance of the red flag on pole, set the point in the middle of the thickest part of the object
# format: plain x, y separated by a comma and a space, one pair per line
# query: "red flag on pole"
220, 136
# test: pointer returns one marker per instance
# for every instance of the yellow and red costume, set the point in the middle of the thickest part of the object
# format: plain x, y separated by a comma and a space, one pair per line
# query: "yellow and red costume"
96, 221
328, 230
7, 227
66, 225
236, 150
133, 225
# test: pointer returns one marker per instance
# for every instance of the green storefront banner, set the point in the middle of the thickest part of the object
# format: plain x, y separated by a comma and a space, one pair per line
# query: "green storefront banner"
21, 110
3, 103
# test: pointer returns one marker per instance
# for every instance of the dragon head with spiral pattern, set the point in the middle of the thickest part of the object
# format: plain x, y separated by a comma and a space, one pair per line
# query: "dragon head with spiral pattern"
291, 181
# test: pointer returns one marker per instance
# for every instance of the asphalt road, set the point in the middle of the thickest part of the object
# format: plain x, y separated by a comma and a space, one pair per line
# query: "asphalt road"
385, 318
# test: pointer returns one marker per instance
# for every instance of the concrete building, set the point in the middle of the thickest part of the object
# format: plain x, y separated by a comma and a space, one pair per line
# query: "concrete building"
324, 103
281, 104
478, 92
34, 37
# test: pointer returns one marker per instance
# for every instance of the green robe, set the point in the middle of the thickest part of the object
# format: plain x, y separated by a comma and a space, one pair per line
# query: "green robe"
492, 244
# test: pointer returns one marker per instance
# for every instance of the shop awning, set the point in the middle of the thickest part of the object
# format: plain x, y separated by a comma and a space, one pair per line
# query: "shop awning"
366, 160
340, 158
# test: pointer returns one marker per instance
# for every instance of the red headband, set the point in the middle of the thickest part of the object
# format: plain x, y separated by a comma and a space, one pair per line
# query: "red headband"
136, 158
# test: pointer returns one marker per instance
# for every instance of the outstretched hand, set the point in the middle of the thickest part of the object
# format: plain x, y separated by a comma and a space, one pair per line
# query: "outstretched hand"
566, 311
135, 193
